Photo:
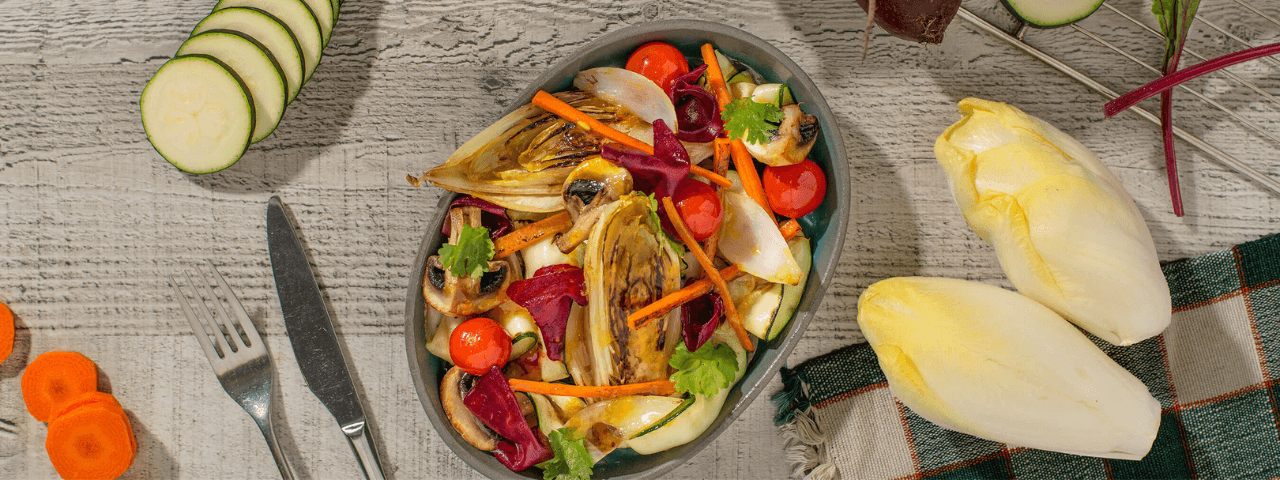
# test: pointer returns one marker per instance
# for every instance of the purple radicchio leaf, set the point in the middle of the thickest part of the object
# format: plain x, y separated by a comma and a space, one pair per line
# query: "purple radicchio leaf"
494, 404
659, 173
494, 217
549, 295
700, 317
697, 112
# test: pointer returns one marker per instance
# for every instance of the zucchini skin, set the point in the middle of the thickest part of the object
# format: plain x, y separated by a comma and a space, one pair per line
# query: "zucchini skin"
1013, 10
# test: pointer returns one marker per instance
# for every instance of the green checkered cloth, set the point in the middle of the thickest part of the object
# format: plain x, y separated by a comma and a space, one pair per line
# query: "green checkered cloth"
1214, 371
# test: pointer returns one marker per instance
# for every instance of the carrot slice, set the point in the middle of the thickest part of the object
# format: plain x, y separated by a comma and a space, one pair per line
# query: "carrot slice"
710, 272
721, 165
54, 377
657, 387
694, 289
530, 234
742, 160
710, 175
6, 332
715, 76
91, 442
563, 110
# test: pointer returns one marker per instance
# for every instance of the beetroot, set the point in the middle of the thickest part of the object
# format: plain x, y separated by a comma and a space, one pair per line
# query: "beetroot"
699, 318
494, 217
548, 296
697, 113
923, 21
494, 404
659, 173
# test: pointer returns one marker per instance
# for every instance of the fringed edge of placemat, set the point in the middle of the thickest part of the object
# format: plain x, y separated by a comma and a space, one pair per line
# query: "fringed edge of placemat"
804, 443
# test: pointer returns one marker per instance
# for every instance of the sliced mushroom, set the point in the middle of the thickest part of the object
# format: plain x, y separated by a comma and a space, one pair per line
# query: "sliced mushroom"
467, 295
453, 387
596, 182
791, 142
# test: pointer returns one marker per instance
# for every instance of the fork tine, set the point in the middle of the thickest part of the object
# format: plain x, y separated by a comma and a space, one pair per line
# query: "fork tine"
246, 324
223, 317
197, 325
208, 315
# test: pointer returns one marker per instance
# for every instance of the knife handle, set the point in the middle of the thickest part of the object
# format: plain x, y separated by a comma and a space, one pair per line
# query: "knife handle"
362, 444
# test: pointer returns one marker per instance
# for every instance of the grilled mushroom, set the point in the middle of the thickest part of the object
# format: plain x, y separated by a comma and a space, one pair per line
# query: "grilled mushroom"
453, 387
595, 183
465, 296
791, 142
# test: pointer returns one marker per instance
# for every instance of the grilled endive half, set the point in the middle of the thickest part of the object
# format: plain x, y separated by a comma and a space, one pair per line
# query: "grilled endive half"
982, 360
1066, 232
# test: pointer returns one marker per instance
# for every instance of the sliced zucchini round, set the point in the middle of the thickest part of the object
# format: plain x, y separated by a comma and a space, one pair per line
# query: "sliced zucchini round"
1051, 13
522, 344
250, 61
197, 114
775, 93
266, 30
323, 11
295, 15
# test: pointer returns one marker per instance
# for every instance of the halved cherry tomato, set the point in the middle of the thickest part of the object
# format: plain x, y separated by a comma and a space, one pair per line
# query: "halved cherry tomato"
699, 207
479, 344
659, 62
795, 190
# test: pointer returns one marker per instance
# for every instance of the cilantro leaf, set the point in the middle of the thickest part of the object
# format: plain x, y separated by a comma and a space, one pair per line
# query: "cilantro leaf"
471, 255
571, 461
751, 121
705, 371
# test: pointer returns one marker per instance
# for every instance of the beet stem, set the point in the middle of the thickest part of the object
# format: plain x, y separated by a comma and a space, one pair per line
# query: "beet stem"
1169, 81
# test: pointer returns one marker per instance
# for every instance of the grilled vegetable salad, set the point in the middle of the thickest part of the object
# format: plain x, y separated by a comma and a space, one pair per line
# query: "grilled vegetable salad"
616, 253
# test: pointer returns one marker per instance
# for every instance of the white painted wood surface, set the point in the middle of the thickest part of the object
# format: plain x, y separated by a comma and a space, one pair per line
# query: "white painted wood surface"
93, 219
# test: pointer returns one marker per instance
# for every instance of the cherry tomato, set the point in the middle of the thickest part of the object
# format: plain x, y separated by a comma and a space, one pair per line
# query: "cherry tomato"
659, 62
699, 207
795, 190
479, 344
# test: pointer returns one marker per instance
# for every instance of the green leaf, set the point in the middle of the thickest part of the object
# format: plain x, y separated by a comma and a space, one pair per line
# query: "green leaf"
751, 121
471, 255
706, 371
571, 460
655, 222
1175, 18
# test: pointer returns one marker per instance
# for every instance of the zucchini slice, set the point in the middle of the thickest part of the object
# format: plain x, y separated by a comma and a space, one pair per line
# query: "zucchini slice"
295, 15
197, 114
1051, 13
266, 30
323, 11
250, 61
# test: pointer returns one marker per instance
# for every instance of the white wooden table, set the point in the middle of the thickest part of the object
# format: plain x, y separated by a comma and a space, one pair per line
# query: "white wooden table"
92, 219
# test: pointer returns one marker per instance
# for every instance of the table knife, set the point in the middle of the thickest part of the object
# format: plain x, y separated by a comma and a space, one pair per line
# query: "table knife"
312, 335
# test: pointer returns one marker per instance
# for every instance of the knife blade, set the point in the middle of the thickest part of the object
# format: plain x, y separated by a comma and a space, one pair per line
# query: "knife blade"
311, 333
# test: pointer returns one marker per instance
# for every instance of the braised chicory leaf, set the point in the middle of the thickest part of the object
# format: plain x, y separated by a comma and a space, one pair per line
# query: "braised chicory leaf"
659, 173
494, 404
571, 460
549, 295
697, 114
706, 371
700, 317
494, 217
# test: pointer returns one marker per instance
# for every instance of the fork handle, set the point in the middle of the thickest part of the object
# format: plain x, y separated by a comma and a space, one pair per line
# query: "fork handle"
282, 462
361, 441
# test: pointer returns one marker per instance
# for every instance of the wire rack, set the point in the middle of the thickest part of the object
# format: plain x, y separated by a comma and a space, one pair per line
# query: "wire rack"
1138, 20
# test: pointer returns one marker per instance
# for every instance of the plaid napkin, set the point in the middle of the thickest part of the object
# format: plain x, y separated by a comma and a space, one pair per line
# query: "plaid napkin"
1214, 371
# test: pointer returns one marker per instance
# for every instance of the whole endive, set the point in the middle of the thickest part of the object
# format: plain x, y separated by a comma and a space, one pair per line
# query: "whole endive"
988, 362
1066, 232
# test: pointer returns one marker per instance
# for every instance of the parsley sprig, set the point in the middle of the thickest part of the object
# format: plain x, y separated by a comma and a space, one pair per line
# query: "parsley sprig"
751, 121
571, 460
705, 371
471, 255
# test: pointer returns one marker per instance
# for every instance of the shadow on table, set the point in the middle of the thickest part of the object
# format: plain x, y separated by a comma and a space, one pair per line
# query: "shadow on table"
153, 459
20, 356
313, 122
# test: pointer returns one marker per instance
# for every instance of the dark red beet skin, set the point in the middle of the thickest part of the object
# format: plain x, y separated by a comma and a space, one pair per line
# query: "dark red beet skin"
923, 21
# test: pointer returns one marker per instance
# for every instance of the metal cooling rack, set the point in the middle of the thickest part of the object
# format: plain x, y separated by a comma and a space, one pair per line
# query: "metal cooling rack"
1016, 38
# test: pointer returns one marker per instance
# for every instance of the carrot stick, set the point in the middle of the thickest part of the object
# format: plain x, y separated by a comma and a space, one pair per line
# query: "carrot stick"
746, 167
710, 175
6, 332
657, 387
710, 272
695, 289
721, 165
54, 377
531, 234
563, 110
91, 441
715, 77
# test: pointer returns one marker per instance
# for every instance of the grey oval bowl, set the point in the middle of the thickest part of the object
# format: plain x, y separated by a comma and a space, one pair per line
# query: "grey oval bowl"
825, 228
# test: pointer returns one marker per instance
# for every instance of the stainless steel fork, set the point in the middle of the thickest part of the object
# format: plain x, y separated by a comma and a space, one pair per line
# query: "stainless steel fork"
235, 350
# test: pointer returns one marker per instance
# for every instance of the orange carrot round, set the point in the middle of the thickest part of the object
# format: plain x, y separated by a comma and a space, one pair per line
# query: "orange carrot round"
6, 332
54, 377
91, 442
